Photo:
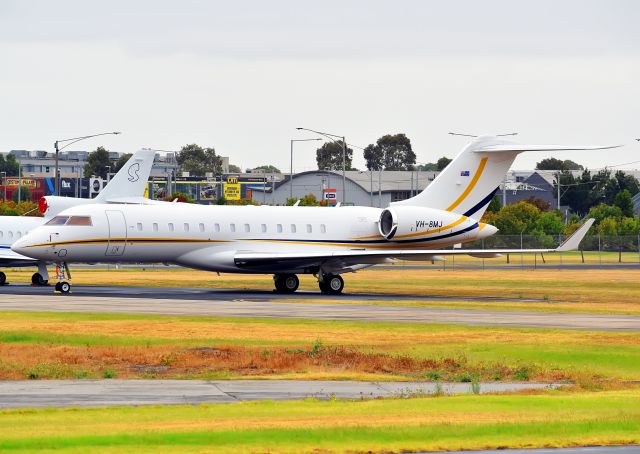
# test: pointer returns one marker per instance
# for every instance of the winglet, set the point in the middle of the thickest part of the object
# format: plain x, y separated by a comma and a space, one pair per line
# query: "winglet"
574, 240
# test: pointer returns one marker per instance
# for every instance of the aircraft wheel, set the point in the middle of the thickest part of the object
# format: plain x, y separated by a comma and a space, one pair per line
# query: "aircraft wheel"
3, 278
57, 287
65, 287
286, 283
332, 285
38, 279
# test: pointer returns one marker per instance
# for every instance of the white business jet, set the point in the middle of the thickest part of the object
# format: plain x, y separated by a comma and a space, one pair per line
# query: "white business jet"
127, 186
286, 241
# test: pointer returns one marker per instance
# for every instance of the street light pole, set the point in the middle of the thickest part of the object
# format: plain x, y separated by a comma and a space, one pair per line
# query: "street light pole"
291, 164
71, 141
344, 156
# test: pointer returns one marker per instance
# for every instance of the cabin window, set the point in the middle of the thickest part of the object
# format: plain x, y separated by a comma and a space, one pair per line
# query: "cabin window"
171, 228
139, 226
247, 228
186, 227
293, 228
155, 226
232, 227
263, 228
18, 234
323, 228
201, 227
279, 228
309, 228
1, 234
10, 234
79, 220
216, 227
57, 220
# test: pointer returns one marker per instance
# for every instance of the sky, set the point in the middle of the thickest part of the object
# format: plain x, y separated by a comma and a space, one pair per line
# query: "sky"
241, 76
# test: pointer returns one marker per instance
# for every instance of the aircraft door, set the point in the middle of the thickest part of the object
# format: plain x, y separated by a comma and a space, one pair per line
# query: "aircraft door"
117, 233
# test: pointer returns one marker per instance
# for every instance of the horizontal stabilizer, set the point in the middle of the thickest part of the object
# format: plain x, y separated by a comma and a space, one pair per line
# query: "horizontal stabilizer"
518, 147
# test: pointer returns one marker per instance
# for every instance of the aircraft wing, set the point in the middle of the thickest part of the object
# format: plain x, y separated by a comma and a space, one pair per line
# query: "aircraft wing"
8, 258
343, 259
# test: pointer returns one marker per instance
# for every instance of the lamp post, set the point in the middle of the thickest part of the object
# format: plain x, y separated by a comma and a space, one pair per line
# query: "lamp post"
4, 185
344, 156
108, 173
71, 141
291, 163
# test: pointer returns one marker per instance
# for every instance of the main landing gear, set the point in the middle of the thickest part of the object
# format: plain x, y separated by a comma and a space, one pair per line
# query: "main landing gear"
286, 283
63, 273
41, 277
3, 278
330, 284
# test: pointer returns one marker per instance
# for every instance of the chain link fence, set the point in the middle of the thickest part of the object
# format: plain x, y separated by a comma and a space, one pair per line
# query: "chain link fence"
594, 250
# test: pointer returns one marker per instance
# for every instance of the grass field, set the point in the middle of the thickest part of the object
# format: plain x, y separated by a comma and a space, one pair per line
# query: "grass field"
63, 345
552, 419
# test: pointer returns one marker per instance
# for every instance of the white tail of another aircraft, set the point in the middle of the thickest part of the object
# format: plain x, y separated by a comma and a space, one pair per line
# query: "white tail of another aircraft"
469, 182
131, 180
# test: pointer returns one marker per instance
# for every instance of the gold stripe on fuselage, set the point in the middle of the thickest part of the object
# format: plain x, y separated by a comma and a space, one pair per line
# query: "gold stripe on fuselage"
128, 240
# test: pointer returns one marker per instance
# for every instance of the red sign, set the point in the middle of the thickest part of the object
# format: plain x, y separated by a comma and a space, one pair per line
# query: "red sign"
330, 196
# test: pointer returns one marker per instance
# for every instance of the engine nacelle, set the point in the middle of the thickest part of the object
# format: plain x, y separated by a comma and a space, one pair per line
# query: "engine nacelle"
50, 205
402, 223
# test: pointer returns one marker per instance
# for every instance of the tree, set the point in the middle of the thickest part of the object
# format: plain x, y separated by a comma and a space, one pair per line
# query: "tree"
495, 205
25, 194
234, 169
443, 162
329, 156
268, 168
391, 152
624, 202
97, 163
558, 164
198, 161
430, 166
9, 165
541, 204
122, 160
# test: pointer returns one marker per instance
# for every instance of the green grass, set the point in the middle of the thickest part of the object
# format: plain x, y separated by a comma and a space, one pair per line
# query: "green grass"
444, 423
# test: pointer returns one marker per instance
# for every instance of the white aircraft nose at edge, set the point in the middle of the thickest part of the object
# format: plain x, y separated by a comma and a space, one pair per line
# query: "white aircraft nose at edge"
286, 241
127, 186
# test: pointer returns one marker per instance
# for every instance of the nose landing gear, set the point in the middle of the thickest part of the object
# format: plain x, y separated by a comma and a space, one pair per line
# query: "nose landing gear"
62, 273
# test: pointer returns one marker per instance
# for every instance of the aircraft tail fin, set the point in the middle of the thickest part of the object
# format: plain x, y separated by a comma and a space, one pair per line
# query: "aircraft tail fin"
469, 182
131, 180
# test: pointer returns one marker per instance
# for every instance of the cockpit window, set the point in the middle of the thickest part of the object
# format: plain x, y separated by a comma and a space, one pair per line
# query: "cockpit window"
79, 220
58, 220
70, 220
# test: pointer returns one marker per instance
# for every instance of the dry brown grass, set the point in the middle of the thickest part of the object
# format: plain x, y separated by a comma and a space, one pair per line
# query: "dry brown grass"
21, 361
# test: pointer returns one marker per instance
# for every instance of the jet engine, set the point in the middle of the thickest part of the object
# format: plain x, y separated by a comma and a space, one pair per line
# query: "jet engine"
405, 222
50, 205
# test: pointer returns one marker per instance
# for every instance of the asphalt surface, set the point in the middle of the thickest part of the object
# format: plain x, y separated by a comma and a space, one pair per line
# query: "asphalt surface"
240, 303
98, 393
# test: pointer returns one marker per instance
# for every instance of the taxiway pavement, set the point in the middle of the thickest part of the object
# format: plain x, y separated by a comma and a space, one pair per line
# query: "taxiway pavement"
261, 304
95, 393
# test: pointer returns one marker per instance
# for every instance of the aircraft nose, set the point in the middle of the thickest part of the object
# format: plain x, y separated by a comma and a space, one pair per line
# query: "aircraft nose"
486, 230
21, 245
